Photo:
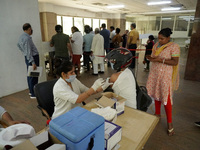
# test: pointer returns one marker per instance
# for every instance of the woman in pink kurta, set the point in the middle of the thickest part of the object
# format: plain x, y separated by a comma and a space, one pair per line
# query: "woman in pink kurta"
163, 77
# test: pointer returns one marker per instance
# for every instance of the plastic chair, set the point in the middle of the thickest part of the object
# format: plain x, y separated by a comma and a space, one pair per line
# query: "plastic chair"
44, 94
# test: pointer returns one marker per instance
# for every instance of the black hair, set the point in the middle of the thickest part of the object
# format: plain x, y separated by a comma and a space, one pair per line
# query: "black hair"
166, 32
75, 28
117, 30
26, 26
62, 66
151, 37
133, 25
103, 25
112, 27
91, 29
58, 28
87, 29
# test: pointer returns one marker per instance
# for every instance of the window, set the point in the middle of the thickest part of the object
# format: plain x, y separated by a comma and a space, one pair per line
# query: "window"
95, 23
88, 21
59, 20
191, 25
78, 22
167, 22
181, 23
154, 24
67, 24
128, 25
103, 21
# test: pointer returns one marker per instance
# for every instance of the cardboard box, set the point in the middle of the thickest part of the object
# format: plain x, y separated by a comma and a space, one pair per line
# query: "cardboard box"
113, 100
43, 140
113, 134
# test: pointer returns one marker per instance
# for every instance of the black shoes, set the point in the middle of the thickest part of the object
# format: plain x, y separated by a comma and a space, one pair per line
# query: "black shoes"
101, 72
197, 124
94, 74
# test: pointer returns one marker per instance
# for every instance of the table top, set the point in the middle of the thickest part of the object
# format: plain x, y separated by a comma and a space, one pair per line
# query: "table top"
136, 125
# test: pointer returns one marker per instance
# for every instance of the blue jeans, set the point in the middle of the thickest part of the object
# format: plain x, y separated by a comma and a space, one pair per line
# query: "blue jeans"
32, 81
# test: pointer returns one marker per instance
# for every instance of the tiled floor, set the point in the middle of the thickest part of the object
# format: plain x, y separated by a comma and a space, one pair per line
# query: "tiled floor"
186, 110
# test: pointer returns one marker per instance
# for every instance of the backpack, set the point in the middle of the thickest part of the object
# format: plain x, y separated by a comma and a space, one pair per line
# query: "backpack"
143, 99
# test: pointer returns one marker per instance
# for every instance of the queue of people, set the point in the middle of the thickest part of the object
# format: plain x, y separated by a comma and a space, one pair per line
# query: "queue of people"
69, 92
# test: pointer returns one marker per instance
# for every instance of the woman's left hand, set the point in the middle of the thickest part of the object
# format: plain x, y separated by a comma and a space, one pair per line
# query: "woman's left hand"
154, 59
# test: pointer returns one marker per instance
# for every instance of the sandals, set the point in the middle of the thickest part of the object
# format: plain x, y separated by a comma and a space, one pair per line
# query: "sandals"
170, 132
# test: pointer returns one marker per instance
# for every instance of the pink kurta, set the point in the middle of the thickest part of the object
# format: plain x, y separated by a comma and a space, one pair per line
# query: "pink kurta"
159, 83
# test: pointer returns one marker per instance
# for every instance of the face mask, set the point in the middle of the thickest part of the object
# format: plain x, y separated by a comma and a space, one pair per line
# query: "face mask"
71, 78
112, 65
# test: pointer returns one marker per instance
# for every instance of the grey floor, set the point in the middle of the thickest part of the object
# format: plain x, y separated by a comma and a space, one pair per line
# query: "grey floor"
186, 110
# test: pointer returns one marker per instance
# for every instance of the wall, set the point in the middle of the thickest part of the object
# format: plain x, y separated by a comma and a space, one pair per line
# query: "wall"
13, 14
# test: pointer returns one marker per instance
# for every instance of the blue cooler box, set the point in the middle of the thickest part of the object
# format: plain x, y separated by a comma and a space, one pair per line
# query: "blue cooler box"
79, 129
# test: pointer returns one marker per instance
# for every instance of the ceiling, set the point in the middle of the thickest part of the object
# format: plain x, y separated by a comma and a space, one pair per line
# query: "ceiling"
131, 6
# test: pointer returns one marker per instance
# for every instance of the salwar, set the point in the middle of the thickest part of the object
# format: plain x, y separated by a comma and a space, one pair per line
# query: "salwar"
95, 68
168, 109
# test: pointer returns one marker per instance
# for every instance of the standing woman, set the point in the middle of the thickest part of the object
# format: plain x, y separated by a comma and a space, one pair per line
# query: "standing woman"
164, 76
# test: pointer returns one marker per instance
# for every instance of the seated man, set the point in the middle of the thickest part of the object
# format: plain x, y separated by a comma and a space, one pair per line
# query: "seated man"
123, 80
6, 117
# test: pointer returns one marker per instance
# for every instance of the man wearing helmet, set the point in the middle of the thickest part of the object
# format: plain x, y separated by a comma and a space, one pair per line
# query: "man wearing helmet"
123, 81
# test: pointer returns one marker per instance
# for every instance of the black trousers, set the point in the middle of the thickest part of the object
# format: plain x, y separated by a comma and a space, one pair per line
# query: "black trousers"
133, 47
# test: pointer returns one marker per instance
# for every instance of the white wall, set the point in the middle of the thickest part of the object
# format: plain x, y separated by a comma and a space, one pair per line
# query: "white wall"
75, 12
13, 14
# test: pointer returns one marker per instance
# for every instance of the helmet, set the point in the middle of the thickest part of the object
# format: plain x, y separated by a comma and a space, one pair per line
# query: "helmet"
121, 58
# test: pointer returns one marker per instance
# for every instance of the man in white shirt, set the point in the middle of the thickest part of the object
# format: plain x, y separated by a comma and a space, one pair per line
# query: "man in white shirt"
98, 52
6, 117
112, 34
77, 45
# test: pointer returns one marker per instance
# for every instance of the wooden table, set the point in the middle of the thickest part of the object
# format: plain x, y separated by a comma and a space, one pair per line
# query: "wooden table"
136, 125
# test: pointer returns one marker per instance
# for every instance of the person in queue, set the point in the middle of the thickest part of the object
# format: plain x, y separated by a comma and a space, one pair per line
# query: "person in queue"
68, 91
163, 78
123, 80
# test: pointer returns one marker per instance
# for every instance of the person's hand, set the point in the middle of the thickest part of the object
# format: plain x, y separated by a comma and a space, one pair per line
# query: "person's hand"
34, 66
97, 84
17, 122
106, 84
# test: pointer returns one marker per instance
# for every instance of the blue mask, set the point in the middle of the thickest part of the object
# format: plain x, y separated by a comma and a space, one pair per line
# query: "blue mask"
112, 65
71, 78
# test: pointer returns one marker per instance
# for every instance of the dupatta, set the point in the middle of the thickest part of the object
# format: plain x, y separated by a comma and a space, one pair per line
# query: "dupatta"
175, 81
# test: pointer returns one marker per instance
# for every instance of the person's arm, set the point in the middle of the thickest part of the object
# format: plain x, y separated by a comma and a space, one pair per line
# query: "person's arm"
29, 56
6, 117
51, 42
172, 62
70, 49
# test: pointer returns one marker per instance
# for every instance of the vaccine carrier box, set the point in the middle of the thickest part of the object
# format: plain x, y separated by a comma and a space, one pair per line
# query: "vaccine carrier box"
79, 129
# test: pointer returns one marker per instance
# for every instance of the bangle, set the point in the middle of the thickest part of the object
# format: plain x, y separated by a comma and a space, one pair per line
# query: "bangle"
163, 60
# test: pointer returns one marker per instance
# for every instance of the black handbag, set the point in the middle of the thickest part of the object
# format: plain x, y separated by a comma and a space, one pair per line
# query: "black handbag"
143, 99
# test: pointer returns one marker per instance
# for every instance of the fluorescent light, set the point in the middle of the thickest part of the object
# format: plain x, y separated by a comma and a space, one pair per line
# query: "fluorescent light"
166, 18
170, 8
159, 3
116, 6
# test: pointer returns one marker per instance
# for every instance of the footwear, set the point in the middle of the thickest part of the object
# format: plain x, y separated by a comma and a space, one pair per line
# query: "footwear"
29, 94
170, 132
32, 97
95, 74
102, 72
197, 124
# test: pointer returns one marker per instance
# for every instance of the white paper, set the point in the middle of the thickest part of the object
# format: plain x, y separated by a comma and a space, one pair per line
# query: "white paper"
40, 138
108, 128
34, 73
57, 147
92, 57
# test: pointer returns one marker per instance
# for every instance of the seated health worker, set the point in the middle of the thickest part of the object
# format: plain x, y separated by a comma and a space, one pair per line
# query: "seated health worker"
68, 91
123, 80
